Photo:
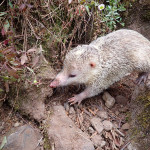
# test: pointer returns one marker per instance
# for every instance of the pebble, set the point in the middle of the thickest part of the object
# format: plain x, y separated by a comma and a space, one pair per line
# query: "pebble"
66, 106
97, 140
125, 126
16, 124
121, 100
102, 114
91, 130
97, 124
103, 143
117, 112
131, 147
107, 125
109, 100
71, 110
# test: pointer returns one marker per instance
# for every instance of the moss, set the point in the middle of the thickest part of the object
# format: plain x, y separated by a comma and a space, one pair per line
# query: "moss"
47, 144
144, 117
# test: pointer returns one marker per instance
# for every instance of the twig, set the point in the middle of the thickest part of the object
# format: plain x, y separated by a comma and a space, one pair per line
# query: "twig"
2, 2
25, 37
125, 145
3, 99
46, 28
32, 29
119, 132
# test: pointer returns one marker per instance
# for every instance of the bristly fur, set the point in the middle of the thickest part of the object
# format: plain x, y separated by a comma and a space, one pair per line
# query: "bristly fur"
114, 55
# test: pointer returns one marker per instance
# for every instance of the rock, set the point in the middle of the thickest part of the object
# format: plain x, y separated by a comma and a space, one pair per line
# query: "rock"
72, 111
131, 147
66, 106
31, 98
103, 143
125, 126
97, 124
121, 100
65, 134
91, 130
97, 140
107, 125
117, 112
16, 124
25, 138
109, 100
102, 114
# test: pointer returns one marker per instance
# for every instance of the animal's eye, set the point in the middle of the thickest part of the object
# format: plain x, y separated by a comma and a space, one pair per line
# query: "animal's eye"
72, 75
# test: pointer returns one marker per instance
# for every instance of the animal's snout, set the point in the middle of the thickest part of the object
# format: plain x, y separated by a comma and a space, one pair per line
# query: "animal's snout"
54, 83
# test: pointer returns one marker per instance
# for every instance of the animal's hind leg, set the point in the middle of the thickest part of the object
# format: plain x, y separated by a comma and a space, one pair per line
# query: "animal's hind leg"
142, 77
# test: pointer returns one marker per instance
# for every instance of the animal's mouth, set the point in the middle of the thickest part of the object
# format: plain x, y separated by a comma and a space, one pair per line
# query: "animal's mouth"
54, 84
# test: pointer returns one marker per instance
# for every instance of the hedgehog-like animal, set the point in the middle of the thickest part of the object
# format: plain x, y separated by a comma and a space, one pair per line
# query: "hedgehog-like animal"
105, 61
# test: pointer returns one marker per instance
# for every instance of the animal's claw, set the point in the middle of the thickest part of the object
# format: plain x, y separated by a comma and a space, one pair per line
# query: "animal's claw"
142, 78
74, 100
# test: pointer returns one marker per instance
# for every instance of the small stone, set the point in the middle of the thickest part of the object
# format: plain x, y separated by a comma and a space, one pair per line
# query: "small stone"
117, 112
16, 124
103, 143
71, 110
125, 126
97, 124
131, 147
121, 100
66, 106
102, 114
123, 109
115, 125
91, 130
24, 138
97, 140
109, 100
107, 125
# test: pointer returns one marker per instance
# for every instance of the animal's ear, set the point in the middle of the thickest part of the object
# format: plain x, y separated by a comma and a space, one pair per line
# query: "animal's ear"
92, 64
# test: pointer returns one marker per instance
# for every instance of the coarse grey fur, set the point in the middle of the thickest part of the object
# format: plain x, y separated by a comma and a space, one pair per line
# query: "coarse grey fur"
112, 57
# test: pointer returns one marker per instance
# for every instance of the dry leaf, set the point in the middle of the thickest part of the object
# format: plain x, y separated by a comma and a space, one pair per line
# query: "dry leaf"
7, 87
31, 50
24, 59
108, 135
12, 72
35, 61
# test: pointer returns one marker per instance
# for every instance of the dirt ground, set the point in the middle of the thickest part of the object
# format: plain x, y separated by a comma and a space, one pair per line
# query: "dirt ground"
82, 114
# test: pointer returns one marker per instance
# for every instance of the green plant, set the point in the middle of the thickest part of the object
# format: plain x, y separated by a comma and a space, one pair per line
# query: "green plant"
112, 14
109, 14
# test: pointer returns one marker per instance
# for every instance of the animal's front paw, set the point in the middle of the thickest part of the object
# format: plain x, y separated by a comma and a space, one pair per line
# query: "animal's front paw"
75, 99
142, 78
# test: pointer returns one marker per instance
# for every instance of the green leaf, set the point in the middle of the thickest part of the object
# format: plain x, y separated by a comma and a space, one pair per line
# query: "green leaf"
2, 13
92, 2
123, 24
6, 26
87, 9
1, 55
31, 70
10, 4
3, 142
1, 90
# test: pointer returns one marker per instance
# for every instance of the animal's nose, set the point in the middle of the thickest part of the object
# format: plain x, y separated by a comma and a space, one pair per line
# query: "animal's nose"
54, 83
